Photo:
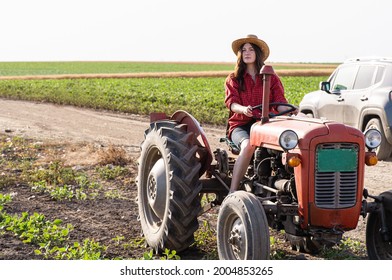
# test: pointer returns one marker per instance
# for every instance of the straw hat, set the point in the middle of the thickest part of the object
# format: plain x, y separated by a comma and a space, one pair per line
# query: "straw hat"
236, 45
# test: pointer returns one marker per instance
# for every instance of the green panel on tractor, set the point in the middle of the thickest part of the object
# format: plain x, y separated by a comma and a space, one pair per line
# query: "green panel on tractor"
334, 160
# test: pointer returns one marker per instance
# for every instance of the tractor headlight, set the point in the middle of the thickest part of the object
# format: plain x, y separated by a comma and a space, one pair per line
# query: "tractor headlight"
372, 138
288, 140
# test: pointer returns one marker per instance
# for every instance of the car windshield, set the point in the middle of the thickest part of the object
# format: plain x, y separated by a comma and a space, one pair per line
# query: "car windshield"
344, 78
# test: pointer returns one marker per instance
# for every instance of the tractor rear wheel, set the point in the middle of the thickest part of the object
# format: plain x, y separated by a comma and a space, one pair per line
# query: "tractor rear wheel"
168, 186
377, 247
243, 232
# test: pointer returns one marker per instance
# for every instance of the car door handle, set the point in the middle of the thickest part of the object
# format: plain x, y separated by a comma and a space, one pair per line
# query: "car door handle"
340, 99
364, 98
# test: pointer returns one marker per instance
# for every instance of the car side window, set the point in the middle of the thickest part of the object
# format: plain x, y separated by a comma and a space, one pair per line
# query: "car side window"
365, 76
344, 78
380, 73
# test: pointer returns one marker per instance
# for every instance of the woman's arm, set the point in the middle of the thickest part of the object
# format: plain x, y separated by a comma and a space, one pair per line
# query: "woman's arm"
240, 109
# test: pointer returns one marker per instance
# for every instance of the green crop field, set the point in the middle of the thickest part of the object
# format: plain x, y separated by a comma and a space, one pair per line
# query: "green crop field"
59, 68
203, 97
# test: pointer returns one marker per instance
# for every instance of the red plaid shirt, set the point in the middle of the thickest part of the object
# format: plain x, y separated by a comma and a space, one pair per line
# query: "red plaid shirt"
253, 95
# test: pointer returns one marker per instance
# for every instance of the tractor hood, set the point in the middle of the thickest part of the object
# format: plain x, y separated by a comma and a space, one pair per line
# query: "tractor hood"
267, 134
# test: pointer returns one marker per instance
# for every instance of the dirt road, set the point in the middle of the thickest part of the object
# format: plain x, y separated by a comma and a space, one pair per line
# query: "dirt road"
66, 123
46, 121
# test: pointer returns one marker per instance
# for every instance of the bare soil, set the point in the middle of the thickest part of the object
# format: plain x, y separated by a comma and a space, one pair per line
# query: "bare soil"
78, 135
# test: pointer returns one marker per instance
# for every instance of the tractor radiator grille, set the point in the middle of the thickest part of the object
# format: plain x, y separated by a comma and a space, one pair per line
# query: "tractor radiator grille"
336, 175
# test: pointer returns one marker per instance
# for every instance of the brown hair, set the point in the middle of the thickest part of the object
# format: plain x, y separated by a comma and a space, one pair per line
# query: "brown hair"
240, 68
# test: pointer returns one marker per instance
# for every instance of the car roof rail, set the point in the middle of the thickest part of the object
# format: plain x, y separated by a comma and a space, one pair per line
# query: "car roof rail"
369, 58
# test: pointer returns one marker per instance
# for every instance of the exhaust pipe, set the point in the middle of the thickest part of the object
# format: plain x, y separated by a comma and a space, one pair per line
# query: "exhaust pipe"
266, 71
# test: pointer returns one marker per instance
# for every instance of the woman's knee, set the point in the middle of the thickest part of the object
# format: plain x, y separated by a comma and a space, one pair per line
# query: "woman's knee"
246, 148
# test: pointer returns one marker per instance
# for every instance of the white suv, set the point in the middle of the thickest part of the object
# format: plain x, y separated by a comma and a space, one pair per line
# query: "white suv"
358, 93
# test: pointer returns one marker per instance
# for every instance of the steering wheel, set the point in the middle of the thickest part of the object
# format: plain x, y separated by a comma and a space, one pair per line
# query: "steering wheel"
291, 108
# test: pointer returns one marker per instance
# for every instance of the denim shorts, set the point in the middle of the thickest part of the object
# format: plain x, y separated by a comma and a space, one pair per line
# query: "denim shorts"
241, 133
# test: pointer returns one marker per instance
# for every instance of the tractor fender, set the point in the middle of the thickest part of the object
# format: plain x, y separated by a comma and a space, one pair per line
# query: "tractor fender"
194, 126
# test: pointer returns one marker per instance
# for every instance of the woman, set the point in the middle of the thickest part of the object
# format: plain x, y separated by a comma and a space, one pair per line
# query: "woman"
244, 89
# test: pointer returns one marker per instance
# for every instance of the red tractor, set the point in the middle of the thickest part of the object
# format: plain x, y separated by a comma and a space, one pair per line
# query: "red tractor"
306, 178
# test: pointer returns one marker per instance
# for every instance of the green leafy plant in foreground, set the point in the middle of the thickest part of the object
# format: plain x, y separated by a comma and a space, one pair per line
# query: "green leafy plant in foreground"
89, 250
35, 229
276, 253
346, 249
166, 255
52, 238
56, 174
110, 172
4, 199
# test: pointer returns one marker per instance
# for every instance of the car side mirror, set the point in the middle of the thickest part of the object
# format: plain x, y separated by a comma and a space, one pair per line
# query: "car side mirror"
325, 86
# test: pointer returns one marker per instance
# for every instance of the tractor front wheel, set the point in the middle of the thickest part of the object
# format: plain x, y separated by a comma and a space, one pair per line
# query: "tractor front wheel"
243, 232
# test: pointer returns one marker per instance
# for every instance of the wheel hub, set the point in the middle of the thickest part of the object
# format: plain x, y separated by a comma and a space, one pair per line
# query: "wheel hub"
237, 238
156, 188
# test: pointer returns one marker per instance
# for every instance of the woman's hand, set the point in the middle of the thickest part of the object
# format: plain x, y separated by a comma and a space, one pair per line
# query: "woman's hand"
247, 111
240, 109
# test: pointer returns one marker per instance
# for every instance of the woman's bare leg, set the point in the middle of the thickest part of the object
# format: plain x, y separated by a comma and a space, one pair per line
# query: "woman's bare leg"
241, 165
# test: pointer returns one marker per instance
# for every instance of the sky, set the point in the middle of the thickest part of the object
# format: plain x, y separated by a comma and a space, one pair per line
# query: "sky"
192, 30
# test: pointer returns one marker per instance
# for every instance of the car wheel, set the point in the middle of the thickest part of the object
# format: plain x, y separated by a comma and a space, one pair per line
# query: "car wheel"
384, 150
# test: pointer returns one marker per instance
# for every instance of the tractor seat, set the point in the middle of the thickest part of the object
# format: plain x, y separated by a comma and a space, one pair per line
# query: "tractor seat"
232, 146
